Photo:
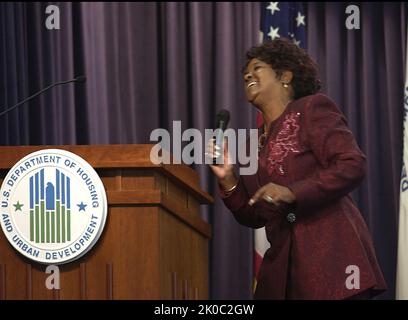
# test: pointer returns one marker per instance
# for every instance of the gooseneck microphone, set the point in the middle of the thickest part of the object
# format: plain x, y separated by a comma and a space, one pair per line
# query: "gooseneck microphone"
78, 79
222, 120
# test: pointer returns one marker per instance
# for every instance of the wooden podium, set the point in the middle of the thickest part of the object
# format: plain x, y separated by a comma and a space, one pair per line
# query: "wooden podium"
154, 245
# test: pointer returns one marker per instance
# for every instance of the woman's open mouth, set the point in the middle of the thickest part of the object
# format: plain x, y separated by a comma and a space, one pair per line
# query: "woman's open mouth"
252, 83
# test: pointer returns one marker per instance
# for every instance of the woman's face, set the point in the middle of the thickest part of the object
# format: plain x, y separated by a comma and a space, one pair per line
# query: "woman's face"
260, 81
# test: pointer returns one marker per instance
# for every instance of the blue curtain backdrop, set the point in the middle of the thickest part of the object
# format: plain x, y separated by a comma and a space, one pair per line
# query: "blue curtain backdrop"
148, 64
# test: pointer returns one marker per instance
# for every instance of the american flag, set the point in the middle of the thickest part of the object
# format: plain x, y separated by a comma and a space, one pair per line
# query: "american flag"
283, 19
286, 20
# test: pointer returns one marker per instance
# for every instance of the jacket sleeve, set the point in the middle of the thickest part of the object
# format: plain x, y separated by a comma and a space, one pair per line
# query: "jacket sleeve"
254, 216
342, 164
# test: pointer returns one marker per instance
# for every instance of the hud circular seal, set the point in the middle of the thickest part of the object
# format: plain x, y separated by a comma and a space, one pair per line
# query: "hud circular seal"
53, 206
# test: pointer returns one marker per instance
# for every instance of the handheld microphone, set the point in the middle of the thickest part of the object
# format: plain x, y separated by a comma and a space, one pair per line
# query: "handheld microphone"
222, 120
78, 79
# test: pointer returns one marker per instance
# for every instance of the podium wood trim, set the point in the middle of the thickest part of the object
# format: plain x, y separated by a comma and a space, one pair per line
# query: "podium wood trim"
115, 156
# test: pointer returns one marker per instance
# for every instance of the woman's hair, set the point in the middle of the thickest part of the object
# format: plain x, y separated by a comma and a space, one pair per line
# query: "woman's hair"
284, 55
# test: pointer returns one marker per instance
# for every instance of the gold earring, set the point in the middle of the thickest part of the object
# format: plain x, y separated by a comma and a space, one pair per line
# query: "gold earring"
285, 85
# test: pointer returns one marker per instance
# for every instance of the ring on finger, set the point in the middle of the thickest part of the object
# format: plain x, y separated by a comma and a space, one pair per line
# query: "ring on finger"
268, 198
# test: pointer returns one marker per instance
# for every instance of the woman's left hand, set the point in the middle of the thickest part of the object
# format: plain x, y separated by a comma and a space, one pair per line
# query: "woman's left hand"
273, 193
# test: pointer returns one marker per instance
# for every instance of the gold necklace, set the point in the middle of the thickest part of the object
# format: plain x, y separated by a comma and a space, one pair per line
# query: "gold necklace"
262, 138
264, 135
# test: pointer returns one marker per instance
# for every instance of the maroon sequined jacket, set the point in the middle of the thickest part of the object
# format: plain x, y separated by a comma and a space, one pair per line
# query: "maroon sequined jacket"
316, 242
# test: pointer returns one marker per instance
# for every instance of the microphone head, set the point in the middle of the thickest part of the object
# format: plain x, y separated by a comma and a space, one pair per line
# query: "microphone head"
80, 79
222, 119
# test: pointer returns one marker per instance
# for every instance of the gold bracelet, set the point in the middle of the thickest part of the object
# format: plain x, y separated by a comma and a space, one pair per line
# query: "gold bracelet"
232, 189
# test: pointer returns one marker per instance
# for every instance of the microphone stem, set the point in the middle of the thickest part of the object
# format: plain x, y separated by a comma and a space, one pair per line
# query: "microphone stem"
36, 94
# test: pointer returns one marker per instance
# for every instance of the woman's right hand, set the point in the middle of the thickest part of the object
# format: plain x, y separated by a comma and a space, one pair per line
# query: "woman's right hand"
224, 172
